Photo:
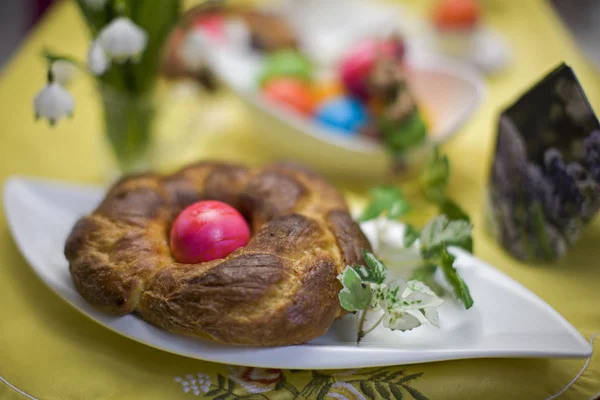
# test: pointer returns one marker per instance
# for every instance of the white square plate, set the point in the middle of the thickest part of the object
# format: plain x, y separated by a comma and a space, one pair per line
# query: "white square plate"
506, 321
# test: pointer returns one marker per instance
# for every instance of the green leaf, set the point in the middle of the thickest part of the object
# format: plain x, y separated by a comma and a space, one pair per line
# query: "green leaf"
414, 393
410, 235
395, 375
367, 390
378, 271
452, 210
400, 137
441, 232
382, 390
385, 200
221, 380
323, 392
398, 395
230, 385
281, 383
461, 290
157, 18
213, 392
356, 295
410, 377
434, 178
222, 397
426, 274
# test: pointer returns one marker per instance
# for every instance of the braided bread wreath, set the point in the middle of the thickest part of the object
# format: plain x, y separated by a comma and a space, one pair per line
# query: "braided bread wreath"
279, 289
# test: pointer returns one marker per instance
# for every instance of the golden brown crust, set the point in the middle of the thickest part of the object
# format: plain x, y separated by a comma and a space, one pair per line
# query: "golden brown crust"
279, 289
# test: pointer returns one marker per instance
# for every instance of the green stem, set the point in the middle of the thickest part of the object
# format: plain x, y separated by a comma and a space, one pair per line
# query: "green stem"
362, 334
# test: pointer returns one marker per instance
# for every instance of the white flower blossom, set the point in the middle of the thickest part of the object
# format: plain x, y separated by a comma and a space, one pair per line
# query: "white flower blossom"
53, 102
98, 63
196, 384
192, 51
63, 71
123, 40
95, 4
409, 304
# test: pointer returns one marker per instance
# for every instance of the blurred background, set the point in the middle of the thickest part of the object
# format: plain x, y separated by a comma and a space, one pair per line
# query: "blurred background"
582, 17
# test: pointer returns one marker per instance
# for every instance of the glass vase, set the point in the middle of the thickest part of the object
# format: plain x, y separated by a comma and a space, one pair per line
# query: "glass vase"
129, 120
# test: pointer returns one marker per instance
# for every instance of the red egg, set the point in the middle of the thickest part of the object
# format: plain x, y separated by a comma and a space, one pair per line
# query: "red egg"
290, 92
208, 230
359, 61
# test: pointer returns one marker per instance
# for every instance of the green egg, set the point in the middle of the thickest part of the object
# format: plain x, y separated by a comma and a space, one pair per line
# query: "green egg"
286, 63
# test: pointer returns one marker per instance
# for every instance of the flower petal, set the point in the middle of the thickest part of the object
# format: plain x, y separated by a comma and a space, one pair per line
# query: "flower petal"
53, 102
122, 39
98, 63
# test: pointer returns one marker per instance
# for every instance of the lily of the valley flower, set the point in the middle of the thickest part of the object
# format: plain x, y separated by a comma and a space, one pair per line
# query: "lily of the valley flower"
409, 304
98, 63
192, 51
63, 71
53, 102
123, 40
95, 4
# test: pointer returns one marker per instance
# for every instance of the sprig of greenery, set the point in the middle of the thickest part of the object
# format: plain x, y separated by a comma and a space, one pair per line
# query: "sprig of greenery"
433, 183
367, 287
439, 234
404, 305
434, 240
388, 201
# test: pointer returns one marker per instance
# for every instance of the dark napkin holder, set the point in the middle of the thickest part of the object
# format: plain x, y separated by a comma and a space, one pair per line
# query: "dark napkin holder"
544, 185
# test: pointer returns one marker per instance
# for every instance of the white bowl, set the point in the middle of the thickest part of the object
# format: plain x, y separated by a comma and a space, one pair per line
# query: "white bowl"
449, 92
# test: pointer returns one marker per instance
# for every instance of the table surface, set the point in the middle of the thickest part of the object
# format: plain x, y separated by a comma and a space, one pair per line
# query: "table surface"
50, 351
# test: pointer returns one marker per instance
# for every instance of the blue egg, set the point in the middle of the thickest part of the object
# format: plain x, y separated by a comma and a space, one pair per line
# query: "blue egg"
343, 113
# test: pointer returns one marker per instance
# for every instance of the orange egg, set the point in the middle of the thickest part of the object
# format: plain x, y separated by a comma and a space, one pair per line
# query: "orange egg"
326, 90
456, 14
290, 92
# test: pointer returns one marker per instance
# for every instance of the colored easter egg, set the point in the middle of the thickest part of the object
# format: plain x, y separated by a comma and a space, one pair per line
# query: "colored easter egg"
359, 61
324, 91
286, 63
212, 25
343, 113
289, 92
456, 14
207, 230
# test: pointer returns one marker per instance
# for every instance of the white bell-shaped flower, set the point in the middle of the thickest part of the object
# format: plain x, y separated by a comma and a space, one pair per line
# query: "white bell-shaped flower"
53, 102
63, 71
193, 50
123, 40
95, 4
98, 63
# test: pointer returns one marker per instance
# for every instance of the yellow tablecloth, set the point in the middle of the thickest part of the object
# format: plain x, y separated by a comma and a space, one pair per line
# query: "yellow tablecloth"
50, 351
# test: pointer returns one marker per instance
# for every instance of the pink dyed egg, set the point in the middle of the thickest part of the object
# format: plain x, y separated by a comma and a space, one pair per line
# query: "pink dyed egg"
208, 230
212, 25
358, 62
